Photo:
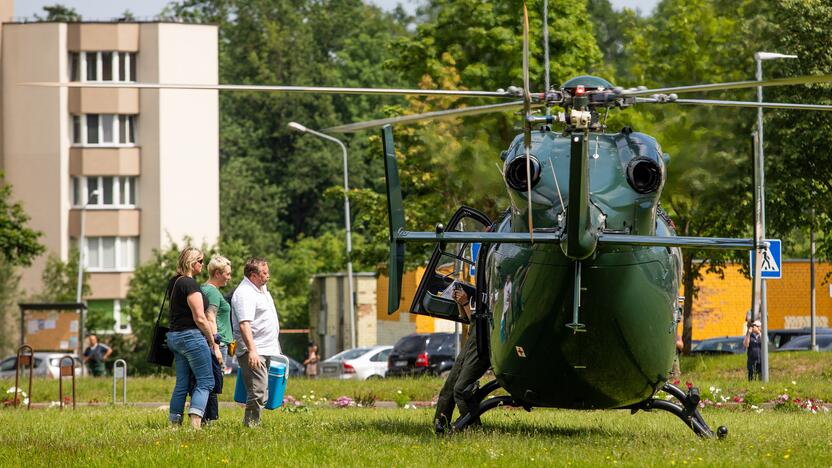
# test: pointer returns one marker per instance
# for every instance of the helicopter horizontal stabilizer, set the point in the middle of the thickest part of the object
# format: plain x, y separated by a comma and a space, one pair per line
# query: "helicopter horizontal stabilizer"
395, 215
710, 243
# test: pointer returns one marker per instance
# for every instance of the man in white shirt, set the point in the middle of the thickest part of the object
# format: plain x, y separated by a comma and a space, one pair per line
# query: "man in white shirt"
255, 325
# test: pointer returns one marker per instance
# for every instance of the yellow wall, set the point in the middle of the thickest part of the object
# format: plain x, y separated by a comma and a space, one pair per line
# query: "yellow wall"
722, 303
410, 282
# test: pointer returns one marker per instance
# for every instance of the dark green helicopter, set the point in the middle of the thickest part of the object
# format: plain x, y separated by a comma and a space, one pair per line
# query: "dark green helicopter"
576, 284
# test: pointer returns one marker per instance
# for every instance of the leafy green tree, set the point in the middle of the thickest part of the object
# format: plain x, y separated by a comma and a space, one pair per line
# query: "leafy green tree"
9, 318
60, 279
798, 165
708, 187
60, 13
467, 44
18, 243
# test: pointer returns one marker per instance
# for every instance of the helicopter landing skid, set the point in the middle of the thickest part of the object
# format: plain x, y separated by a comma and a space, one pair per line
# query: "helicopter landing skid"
688, 411
479, 397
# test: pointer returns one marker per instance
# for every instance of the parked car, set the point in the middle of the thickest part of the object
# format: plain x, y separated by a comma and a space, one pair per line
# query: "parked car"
420, 354
724, 345
357, 364
296, 369
802, 343
780, 338
46, 365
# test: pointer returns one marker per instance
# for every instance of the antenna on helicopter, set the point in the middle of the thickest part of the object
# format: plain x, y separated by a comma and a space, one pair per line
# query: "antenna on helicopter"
527, 113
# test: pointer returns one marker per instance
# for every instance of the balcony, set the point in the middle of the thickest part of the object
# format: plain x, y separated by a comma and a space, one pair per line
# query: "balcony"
121, 37
109, 285
104, 161
105, 223
103, 101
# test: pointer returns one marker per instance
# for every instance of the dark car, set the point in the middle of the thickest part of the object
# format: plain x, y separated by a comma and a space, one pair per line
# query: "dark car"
802, 343
724, 345
780, 338
422, 354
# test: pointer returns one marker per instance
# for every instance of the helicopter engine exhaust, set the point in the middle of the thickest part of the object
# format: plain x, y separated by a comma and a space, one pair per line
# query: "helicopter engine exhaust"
644, 175
515, 173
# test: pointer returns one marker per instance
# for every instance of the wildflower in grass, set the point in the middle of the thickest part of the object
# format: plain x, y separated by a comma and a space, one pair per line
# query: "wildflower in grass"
343, 402
689, 384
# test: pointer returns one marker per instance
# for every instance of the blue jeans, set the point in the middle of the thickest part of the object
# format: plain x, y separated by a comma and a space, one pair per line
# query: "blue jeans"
193, 358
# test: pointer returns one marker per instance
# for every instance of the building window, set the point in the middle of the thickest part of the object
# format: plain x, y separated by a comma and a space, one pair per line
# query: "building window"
113, 191
107, 316
111, 253
102, 66
104, 130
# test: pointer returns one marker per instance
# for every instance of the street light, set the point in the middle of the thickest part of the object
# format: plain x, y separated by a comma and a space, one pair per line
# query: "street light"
759, 57
301, 129
81, 248
80, 284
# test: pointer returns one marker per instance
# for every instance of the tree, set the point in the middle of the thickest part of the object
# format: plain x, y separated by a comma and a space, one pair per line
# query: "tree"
59, 13
467, 44
60, 279
798, 165
709, 186
18, 243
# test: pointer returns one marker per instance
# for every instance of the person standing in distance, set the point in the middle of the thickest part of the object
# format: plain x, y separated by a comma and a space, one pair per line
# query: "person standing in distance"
95, 355
753, 345
256, 329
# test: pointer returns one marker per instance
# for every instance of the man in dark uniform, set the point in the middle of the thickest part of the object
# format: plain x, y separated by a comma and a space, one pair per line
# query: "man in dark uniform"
461, 383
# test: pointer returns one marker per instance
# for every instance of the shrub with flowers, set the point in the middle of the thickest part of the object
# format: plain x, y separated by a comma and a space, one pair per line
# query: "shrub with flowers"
401, 399
343, 402
17, 395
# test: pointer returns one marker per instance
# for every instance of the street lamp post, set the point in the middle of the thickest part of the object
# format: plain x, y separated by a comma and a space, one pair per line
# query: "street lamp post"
758, 58
80, 285
300, 128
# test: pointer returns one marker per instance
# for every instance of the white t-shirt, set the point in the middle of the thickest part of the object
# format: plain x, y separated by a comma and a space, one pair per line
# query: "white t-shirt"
256, 306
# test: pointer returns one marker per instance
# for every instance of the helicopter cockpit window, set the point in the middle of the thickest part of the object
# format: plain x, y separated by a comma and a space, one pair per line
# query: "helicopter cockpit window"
453, 266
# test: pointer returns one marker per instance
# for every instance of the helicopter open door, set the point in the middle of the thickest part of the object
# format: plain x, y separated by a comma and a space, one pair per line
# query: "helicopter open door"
453, 265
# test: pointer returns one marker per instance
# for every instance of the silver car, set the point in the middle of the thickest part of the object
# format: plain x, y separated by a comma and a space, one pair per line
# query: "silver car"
46, 365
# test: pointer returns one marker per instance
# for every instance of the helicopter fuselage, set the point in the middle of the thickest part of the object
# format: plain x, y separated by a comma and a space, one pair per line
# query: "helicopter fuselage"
628, 294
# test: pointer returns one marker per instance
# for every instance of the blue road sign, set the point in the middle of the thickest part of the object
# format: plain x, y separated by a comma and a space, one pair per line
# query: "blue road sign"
772, 264
475, 252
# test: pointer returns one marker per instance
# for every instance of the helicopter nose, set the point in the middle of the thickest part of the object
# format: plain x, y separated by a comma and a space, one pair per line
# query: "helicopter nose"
515, 173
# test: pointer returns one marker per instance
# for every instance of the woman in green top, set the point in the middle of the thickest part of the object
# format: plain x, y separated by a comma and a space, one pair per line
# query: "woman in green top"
218, 312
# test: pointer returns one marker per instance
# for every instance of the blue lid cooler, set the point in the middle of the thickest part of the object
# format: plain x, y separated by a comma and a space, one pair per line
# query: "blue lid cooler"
277, 384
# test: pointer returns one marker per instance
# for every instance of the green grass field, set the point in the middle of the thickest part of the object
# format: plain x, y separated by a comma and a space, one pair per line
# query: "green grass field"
322, 435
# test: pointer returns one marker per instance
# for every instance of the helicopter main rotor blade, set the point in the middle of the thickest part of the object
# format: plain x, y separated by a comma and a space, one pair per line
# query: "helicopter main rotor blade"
765, 105
280, 89
527, 126
437, 115
796, 80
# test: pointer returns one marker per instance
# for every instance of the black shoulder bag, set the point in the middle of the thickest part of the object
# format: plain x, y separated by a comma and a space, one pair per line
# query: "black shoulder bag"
159, 352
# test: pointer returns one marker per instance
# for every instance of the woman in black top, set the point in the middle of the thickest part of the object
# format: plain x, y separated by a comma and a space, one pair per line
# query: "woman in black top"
190, 339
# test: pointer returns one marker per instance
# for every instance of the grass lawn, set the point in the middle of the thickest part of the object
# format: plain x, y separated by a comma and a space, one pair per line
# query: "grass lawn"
322, 435
110, 436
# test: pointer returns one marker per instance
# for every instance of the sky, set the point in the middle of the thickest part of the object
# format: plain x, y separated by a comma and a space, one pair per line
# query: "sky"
107, 9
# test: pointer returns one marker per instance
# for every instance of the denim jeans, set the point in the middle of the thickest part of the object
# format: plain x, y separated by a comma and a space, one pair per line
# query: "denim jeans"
193, 358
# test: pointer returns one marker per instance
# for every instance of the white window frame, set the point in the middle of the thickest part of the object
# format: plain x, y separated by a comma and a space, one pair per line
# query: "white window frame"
120, 243
119, 327
129, 59
80, 141
98, 203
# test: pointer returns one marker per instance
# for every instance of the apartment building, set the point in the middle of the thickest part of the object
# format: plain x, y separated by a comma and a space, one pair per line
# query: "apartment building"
139, 167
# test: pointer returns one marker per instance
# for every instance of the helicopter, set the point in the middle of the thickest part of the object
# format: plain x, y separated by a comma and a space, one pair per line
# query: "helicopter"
575, 287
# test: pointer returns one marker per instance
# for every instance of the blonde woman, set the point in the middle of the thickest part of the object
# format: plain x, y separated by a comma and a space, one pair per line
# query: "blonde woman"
191, 339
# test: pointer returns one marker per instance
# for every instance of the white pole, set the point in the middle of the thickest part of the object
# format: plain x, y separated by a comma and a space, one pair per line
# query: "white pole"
300, 128
758, 58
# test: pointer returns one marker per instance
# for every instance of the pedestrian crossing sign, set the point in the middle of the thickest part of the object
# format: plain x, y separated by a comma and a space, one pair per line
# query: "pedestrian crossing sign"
771, 265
